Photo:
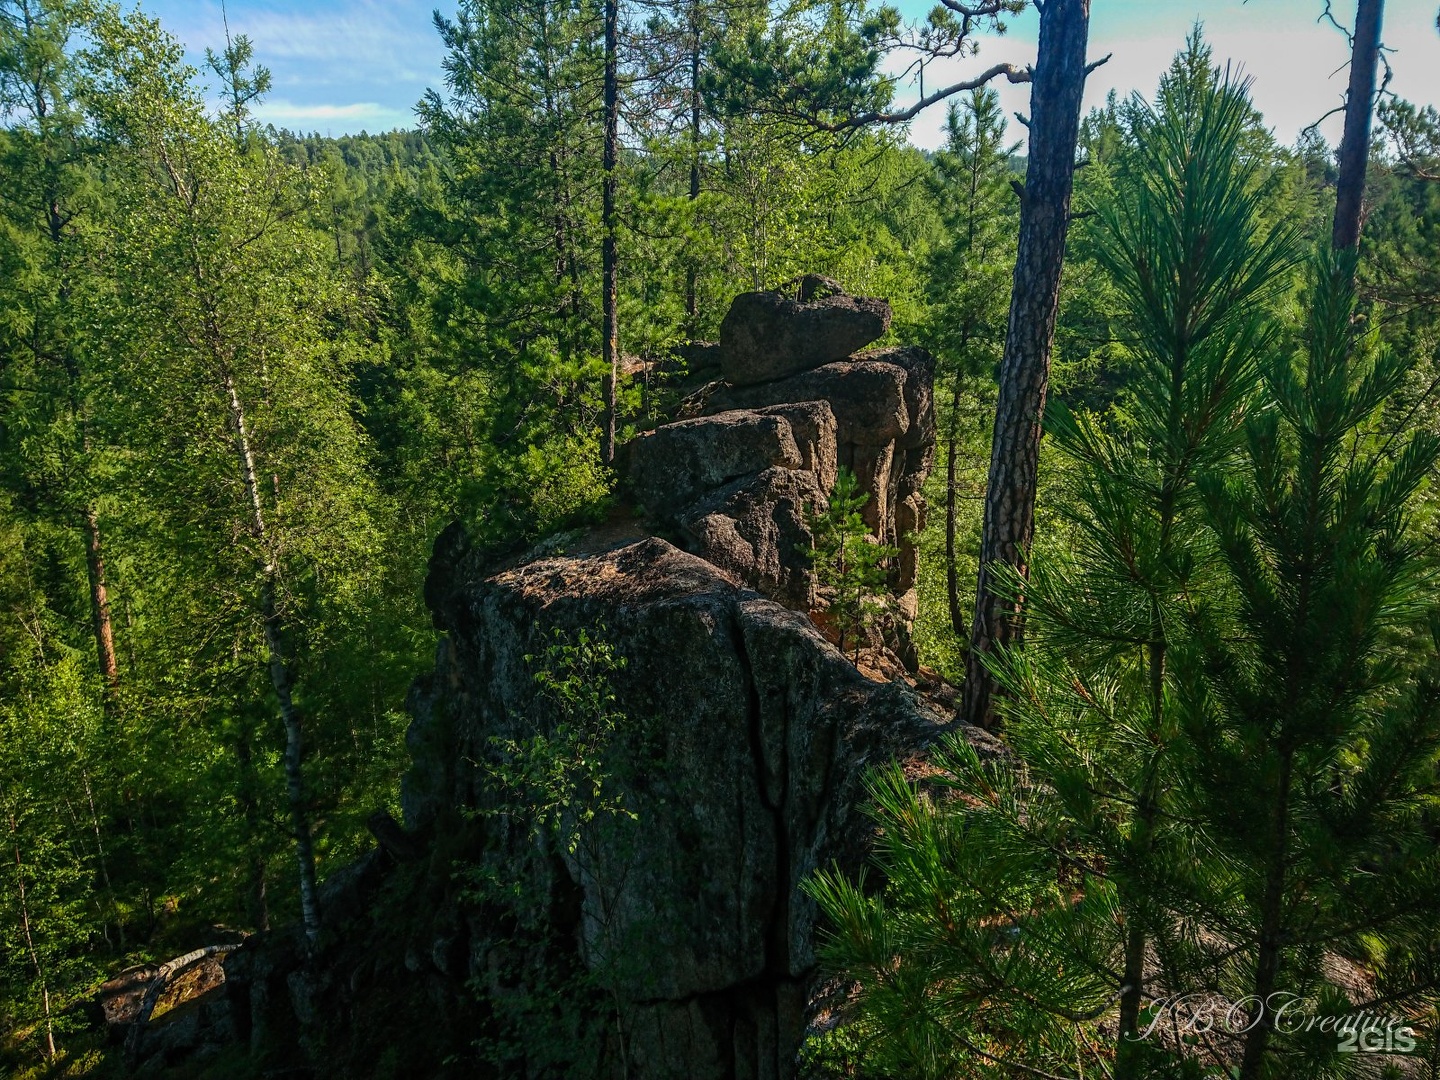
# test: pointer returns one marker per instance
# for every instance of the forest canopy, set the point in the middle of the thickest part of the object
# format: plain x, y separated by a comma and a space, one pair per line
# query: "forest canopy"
248, 375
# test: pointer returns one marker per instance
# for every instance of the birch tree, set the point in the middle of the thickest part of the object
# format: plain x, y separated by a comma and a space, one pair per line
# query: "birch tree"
238, 390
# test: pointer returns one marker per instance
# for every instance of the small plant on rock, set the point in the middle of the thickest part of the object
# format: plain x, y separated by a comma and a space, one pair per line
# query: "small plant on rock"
559, 777
849, 563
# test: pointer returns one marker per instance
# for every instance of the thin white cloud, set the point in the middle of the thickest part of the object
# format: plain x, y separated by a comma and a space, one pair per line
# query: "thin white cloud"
361, 33
349, 118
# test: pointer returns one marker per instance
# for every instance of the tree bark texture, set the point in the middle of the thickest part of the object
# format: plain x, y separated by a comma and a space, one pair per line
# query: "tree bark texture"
608, 258
692, 271
100, 605
1359, 107
1057, 87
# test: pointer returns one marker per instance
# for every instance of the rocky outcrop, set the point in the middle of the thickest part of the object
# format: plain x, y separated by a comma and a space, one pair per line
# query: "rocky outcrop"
742, 760
665, 937
630, 904
736, 476
884, 409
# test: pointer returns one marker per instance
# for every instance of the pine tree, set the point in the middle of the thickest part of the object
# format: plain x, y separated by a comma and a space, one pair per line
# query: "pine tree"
849, 564
1024, 901
1008, 527
1310, 710
968, 283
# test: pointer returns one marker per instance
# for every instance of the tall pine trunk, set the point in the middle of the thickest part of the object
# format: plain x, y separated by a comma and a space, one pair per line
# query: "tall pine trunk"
692, 270
1359, 106
1057, 87
609, 268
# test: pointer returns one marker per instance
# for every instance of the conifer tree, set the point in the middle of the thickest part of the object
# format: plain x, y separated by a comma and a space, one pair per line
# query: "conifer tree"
517, 220
968, 283
1310, 710
849, 564
1058, 82
1029, 902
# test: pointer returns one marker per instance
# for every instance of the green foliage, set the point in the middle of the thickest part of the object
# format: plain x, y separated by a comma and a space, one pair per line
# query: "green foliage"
562, 785
1309, 705
1216, 678
408, 325
967, 303
513, 318
559, 777
850, 566
823, 62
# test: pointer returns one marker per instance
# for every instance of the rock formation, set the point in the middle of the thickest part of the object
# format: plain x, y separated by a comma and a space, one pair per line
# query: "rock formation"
735, 476
666, 933
742, 760
768, 335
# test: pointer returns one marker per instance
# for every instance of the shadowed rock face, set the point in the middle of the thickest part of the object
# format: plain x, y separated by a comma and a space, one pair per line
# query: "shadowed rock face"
746, 744
768, 335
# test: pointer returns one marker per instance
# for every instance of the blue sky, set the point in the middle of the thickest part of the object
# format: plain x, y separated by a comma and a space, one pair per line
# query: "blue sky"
345, 65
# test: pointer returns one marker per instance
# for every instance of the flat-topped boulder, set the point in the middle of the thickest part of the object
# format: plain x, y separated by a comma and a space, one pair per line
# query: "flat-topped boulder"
676, 463
769, 335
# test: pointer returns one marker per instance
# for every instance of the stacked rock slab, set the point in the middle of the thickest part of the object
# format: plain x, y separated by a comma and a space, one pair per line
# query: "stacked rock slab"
674, 944
755, 450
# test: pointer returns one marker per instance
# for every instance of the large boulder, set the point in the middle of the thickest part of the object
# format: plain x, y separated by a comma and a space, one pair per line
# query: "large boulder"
768, 335
737, 488
677, 463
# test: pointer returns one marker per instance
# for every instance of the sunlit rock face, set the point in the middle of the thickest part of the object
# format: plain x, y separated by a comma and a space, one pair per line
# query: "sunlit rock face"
751, 453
